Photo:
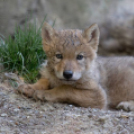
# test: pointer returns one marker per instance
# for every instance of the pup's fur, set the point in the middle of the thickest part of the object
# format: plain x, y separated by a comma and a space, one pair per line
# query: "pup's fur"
97, 82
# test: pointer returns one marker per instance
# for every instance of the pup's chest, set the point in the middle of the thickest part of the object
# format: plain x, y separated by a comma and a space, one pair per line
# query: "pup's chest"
47, 74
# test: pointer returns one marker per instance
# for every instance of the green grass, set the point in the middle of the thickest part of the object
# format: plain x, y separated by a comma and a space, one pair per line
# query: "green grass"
23, 53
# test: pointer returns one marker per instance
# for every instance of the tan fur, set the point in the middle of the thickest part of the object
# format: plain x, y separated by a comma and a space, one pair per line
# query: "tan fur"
97, 82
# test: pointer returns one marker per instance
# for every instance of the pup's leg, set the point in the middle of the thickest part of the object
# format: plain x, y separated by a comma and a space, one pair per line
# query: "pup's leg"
34, 90
94, 97
126, 105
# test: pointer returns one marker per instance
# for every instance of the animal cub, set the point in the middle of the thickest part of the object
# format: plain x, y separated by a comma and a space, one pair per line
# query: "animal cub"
74, 74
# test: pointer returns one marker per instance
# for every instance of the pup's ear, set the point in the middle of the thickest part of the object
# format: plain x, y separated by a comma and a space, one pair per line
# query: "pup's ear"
92, 35
47, 34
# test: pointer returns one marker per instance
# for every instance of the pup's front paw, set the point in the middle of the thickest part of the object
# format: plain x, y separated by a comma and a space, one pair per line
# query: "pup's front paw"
26, 89
126, 105
30, 91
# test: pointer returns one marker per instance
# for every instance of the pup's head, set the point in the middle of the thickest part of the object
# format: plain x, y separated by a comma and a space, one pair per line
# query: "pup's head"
70, 52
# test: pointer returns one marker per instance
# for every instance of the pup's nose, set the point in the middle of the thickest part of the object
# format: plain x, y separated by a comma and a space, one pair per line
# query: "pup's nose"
67, 74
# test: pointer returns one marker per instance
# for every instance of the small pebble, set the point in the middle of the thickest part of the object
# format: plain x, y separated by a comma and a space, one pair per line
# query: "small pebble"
16, 110
4, 115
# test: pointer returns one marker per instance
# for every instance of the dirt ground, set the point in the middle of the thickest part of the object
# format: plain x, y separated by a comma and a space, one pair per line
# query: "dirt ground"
21, 115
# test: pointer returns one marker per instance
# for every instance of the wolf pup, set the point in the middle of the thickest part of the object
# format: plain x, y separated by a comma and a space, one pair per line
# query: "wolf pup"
74, 74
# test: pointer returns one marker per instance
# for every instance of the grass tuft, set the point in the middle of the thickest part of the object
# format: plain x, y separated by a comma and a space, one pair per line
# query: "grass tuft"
23, 53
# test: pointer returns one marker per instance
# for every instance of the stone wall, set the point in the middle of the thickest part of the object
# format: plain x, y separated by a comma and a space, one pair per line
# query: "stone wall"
114, 17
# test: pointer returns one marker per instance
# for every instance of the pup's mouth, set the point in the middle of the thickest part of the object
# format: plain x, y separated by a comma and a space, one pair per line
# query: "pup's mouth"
67, 80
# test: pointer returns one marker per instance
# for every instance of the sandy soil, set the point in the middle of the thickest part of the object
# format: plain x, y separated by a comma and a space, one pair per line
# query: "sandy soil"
21, 115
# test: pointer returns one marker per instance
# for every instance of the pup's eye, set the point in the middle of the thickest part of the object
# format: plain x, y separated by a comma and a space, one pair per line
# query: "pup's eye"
59, 56
79, 57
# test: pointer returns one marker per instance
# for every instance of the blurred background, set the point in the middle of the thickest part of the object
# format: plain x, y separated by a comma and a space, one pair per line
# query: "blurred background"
114, 17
